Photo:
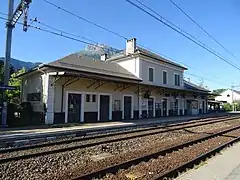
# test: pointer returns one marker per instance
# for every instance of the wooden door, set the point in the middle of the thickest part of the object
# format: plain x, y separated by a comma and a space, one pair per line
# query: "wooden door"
127, 107
74, 107
104, 107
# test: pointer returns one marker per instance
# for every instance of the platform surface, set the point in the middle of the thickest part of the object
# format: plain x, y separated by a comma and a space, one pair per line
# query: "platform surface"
224, 166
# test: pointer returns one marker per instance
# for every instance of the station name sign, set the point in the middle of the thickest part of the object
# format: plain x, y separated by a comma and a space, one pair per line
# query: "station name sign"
8, 87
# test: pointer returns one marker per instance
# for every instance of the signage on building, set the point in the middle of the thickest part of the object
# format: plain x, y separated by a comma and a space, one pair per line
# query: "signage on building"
8, 87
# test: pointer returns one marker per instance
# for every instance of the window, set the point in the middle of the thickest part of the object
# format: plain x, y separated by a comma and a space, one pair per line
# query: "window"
34, 96
177, 79
150, 74
93, 98
164, 77
88, 98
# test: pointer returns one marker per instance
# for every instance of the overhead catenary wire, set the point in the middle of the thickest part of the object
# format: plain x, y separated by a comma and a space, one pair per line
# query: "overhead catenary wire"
172, 24
207, 79
204, 30
115, 33
186, 65
61, 33
86, 20
181, 33
71, 34
201, 77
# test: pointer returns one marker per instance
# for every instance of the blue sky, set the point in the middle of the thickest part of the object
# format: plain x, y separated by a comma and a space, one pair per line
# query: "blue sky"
219, 17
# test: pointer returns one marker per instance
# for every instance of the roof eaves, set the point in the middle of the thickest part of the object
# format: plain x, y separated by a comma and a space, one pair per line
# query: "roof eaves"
157, 57
74, 70
196, 86
31, 70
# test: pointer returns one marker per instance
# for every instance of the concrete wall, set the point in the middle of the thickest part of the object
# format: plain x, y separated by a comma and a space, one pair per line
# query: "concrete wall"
33, 84
159, 67
81, 86
132, 65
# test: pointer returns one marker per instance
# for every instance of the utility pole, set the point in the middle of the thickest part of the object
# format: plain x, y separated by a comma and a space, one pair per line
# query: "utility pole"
22, 8
7, 60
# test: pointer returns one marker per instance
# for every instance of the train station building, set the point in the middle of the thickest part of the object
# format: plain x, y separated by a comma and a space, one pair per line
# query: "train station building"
132, 84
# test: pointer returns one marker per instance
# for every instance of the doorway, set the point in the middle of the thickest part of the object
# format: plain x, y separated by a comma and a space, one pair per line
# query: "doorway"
127, 107
150, 107
164, 107
189, 108
203, 107
104, 107
74, 107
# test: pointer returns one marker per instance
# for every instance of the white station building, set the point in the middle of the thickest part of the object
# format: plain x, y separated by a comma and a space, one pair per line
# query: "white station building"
133, 84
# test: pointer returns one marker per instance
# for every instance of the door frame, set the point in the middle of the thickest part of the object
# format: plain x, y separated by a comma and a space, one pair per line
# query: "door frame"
154, 108
83, 94
132, 106
82, 105
110, 104
167, 105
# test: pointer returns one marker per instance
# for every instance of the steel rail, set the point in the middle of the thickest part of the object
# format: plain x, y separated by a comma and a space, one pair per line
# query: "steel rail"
124, 165
68, 141
37, 154
190, 164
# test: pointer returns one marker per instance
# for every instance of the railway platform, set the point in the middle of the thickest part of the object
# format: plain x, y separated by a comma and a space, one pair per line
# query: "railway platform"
224, 166
36, 134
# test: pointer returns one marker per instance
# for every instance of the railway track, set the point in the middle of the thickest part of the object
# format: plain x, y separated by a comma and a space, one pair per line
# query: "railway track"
38, 150
115, 131
228, 136
66, 141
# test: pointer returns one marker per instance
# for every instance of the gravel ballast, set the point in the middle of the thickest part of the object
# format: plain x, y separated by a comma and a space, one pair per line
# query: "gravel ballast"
72, 163
163, 164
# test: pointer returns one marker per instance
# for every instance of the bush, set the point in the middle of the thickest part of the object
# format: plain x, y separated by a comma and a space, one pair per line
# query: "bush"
227, 107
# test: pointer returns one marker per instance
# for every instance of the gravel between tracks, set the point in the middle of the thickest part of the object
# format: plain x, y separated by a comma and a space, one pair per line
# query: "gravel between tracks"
72, 144
72, 163
163, 164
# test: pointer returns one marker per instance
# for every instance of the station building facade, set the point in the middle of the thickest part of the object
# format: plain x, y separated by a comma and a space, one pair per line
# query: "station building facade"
133, 84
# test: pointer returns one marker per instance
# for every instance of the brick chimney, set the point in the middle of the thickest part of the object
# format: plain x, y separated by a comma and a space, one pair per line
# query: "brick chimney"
131, 46
104, 57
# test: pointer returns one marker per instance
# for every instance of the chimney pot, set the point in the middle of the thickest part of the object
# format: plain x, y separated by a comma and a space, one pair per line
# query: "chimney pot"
104, 57
131, 46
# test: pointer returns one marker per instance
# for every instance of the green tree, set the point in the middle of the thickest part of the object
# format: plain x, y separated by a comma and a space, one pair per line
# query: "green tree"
2, 71
227, 107
14, 95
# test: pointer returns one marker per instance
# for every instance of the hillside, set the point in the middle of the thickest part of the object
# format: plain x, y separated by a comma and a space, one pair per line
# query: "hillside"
96, 51
17, 64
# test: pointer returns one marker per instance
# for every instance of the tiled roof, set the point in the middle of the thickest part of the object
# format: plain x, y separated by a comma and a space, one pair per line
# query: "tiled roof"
86, 64
145, 52
154, 55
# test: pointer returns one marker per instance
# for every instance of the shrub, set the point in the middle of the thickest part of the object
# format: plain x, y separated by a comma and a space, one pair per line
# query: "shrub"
227, 107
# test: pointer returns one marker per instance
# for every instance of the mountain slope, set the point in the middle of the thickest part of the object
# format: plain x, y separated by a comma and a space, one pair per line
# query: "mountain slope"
17, 64
95, 52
